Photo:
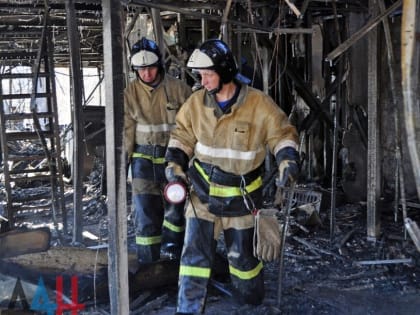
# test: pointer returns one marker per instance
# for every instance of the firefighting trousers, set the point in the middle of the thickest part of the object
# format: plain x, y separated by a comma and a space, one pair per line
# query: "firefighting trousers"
156, 221
201, 234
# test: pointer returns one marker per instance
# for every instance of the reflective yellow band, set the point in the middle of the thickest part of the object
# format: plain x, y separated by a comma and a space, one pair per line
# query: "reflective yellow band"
228, 191
246, 275
173, 227
190, 271
234, 191
148, 240
160, 160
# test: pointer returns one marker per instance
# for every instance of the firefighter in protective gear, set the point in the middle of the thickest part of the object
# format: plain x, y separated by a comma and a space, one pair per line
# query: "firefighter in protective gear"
220, 140
151, 102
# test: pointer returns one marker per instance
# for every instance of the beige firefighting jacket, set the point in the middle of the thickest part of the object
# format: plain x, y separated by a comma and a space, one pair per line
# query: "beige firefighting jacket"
149, 113
237, 141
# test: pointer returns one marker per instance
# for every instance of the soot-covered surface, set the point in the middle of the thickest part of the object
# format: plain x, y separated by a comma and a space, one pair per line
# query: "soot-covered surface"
358, 277
350, 275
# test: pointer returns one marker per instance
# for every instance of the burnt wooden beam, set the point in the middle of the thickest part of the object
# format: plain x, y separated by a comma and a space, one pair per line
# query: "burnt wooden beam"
373, 158
115, 155
303, 90
84, 263
78, 144
88, 264
277, 30
201, 15
34, 20
314, 115
19, 242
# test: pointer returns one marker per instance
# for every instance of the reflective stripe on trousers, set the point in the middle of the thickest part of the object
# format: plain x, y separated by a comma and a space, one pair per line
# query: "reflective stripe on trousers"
198, 255
149, 217
156, 221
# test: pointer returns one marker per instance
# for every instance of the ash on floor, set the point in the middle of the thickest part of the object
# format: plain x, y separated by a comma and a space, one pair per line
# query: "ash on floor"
349, 275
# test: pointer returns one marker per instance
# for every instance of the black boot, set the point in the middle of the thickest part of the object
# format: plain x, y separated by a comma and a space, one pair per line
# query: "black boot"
148, 254
170, 251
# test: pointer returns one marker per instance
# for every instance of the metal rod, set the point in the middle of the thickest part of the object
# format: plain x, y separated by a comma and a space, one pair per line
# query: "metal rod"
283, 241
335, 102
333, 167
385, 261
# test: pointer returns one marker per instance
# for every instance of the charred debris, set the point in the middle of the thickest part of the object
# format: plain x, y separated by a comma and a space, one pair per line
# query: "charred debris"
344, 71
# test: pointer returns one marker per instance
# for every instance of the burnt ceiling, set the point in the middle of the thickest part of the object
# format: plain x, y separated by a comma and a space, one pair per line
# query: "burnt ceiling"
22, 21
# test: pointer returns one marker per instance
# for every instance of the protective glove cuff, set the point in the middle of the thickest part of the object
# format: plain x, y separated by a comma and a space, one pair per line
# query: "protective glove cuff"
287, 153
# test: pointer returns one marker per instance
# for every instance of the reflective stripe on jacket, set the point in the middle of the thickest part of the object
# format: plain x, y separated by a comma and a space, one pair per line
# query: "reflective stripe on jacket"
237, 141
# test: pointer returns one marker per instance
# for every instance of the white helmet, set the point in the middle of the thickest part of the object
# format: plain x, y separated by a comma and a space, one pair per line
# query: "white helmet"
214, 54
145, 53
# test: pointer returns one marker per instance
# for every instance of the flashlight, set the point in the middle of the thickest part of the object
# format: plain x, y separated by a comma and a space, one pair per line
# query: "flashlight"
175, 192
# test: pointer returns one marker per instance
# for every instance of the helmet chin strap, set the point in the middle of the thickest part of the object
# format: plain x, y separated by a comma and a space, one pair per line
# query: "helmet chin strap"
216, 90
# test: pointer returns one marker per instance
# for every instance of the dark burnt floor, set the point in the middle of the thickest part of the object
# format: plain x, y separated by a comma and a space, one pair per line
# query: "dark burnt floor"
351, 275
367, 278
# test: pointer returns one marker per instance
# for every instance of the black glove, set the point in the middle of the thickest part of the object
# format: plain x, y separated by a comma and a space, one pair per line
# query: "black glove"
174, 173
288, 162
288, 173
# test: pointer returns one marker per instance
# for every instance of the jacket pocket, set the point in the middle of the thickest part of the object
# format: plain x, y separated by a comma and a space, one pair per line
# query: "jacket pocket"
171, 111
240, 135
